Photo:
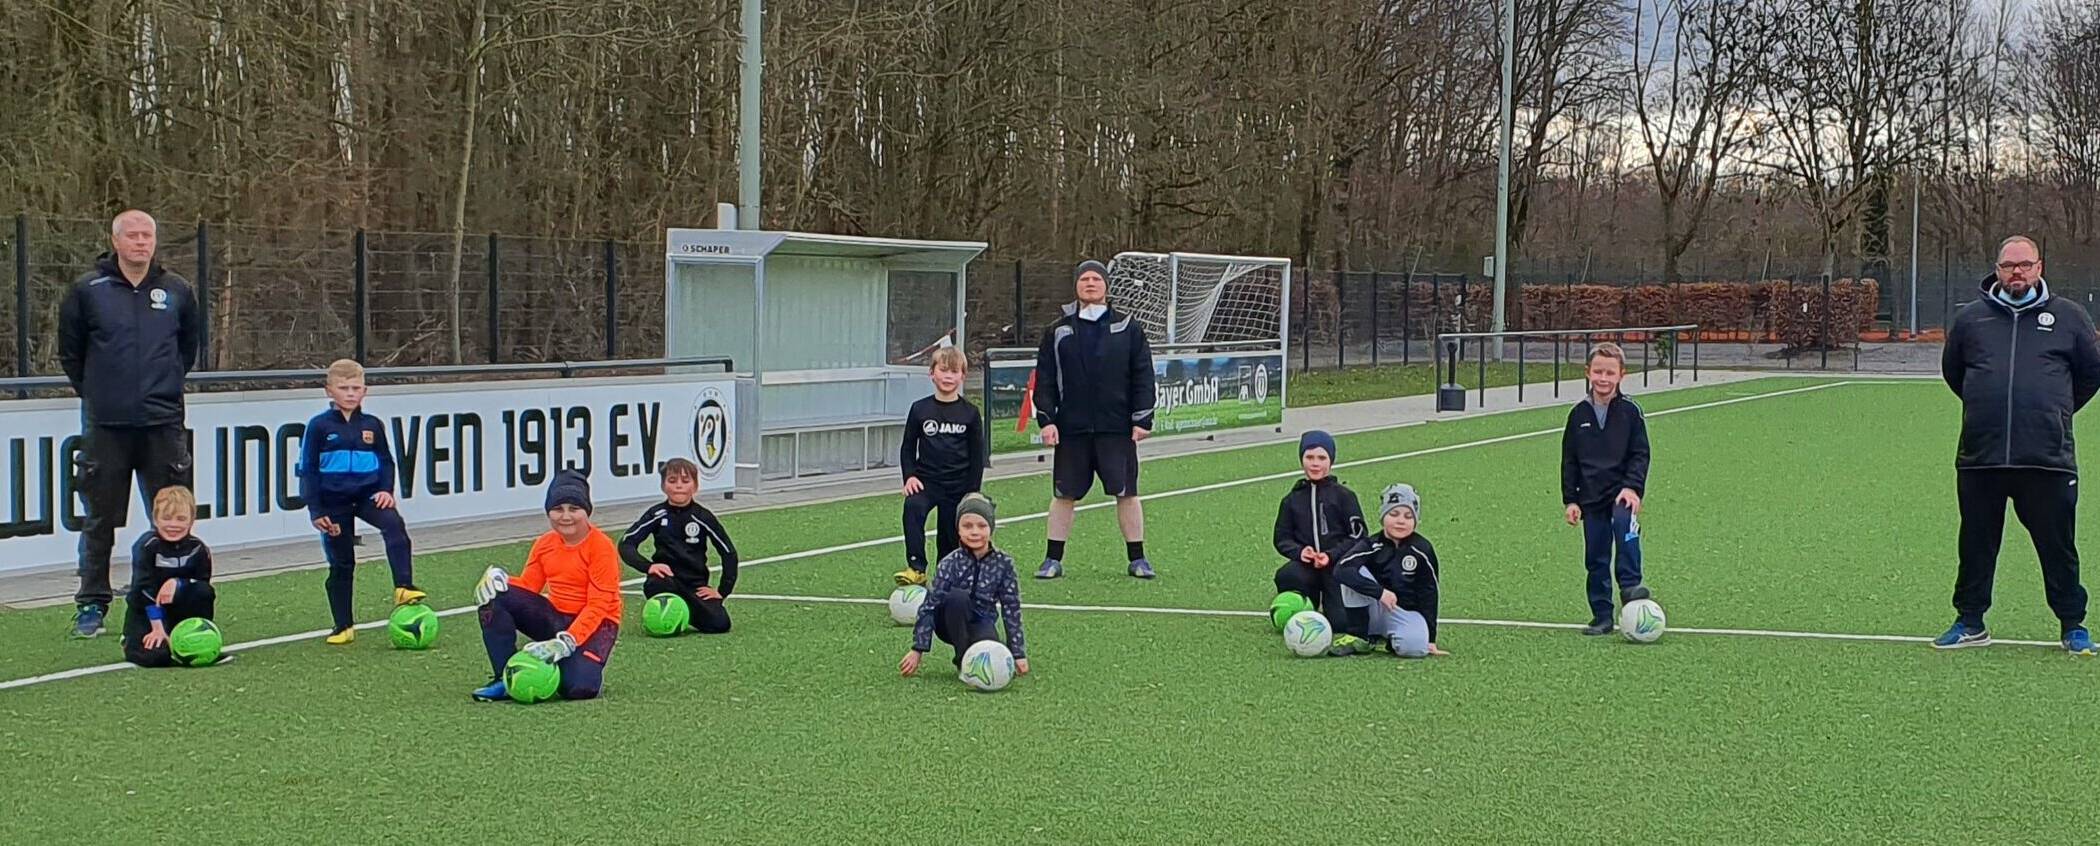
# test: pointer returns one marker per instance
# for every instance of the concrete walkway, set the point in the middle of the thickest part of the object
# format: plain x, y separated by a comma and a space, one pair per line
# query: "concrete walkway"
55, 586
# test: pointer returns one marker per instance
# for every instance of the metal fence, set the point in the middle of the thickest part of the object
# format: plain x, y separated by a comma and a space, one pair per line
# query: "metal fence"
289, 298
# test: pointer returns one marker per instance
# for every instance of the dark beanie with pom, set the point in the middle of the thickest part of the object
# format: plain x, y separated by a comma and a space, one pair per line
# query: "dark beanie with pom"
569, 488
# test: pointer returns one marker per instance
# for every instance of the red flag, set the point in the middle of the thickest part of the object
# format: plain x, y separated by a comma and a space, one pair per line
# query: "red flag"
1027, 404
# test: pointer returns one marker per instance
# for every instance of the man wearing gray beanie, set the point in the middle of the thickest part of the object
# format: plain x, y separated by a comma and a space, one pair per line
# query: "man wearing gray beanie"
1093, 402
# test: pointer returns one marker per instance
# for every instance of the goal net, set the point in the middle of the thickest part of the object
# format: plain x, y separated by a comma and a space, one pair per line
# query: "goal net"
1193, 298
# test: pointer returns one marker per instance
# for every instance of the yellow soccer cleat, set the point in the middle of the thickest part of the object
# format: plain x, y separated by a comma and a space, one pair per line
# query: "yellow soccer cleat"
408, 596
344, 637
909, 576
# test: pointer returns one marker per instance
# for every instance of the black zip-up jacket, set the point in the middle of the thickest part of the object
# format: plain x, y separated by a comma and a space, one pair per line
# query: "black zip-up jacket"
126, 348
2021, 372
1094, 376
1323, 515
946, 445
1407, 567
154, 561
1595, 464
682, 534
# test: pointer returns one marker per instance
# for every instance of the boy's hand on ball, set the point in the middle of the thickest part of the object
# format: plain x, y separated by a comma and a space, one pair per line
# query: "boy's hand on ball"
1574, 514
912, 486
910, 665
660, 570
1020, 666
709, 594
1050, 435
383, 499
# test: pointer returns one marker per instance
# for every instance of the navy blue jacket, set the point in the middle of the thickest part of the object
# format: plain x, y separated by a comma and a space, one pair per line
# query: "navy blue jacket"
127, 349
343, 462
1094, 376
1408, 567
2021, 373
1596, 463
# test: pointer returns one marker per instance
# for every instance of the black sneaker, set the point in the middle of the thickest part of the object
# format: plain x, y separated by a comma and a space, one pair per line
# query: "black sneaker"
87, 622
1601, 627
1634, 594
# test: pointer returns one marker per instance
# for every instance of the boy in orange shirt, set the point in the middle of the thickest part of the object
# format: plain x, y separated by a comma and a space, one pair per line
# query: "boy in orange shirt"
574, 625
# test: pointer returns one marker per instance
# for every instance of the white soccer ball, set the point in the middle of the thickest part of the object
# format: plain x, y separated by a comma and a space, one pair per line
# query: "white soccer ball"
988, 666
904, 604
1308, 634
1642, 621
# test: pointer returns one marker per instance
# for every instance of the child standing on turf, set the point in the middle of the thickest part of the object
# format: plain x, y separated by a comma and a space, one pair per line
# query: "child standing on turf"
1603, 475
973, 588
943, 457
1318, 521
574, 625
681, 530
346, 474
170, 580
1390, 583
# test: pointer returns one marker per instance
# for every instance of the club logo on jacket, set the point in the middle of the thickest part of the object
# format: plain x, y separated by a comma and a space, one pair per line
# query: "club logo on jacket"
2046, 321
1408, 564
159, 296
692, 532
368, 437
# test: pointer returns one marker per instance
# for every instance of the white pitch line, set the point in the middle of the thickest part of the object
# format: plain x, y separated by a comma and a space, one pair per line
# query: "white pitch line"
79, 672
1456, 621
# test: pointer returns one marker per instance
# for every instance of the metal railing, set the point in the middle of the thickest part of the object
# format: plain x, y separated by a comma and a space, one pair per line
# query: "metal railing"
1661, 342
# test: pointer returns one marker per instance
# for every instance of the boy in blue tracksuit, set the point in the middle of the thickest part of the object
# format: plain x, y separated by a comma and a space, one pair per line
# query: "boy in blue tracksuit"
1603, 475
346, 473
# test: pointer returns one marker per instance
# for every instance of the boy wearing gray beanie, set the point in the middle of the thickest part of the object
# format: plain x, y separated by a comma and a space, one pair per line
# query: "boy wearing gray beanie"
1390, 585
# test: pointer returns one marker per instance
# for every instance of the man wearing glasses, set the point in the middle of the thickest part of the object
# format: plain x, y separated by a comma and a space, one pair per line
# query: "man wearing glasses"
2022, 362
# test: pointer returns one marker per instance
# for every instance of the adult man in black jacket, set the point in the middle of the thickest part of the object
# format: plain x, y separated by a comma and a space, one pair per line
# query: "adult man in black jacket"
2022, 362
1093, 400
128, 333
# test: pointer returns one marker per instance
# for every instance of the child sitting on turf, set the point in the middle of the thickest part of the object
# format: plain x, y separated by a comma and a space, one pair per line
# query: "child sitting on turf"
574, 625
681, 529
1318, 521
972, 587
1603, 475
346, 474
170, 580
943, 458
1389, 584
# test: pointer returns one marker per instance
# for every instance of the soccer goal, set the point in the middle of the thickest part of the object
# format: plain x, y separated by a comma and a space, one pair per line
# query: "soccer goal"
1194, 298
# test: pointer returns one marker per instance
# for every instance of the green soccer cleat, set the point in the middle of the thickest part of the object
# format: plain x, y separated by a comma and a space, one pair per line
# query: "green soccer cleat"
1348, 645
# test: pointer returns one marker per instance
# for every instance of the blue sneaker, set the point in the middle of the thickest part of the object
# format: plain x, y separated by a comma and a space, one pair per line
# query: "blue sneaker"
2079, 642
1051, 569
1960, 636
494, 692
87, 622
1141, 569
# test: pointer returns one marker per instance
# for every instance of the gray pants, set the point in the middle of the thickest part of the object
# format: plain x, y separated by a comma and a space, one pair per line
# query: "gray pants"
1404, 630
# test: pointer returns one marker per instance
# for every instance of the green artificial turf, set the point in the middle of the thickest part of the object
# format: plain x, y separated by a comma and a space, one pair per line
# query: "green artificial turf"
1823, 511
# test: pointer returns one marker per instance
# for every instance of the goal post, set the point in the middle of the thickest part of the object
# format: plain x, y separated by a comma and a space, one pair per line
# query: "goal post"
1200, 298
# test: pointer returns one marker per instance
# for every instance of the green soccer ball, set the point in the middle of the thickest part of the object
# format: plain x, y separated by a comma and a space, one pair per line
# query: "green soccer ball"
665, 615
529, 679
412, 627
1287, 605
196, 642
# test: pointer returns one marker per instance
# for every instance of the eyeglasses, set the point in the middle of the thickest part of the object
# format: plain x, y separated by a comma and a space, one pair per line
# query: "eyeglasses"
2018, 266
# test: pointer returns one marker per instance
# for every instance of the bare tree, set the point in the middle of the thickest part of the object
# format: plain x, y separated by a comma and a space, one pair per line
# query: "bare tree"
1694, 70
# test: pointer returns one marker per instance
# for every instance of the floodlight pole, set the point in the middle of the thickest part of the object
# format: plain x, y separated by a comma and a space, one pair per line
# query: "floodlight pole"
747, 118
1916, 191
1508, 130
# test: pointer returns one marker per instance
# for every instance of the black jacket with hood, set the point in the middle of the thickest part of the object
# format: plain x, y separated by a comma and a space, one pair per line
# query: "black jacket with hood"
1094, 376
2021, 372
127, 348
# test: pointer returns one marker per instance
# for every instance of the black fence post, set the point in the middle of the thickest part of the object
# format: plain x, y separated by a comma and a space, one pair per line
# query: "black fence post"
361, 296
495, 268
1304, 322
203, 293
1407, 330
21, 297
1374, 318
1341, 325
1019, 312
1823, 331
1520, 368
612, 301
